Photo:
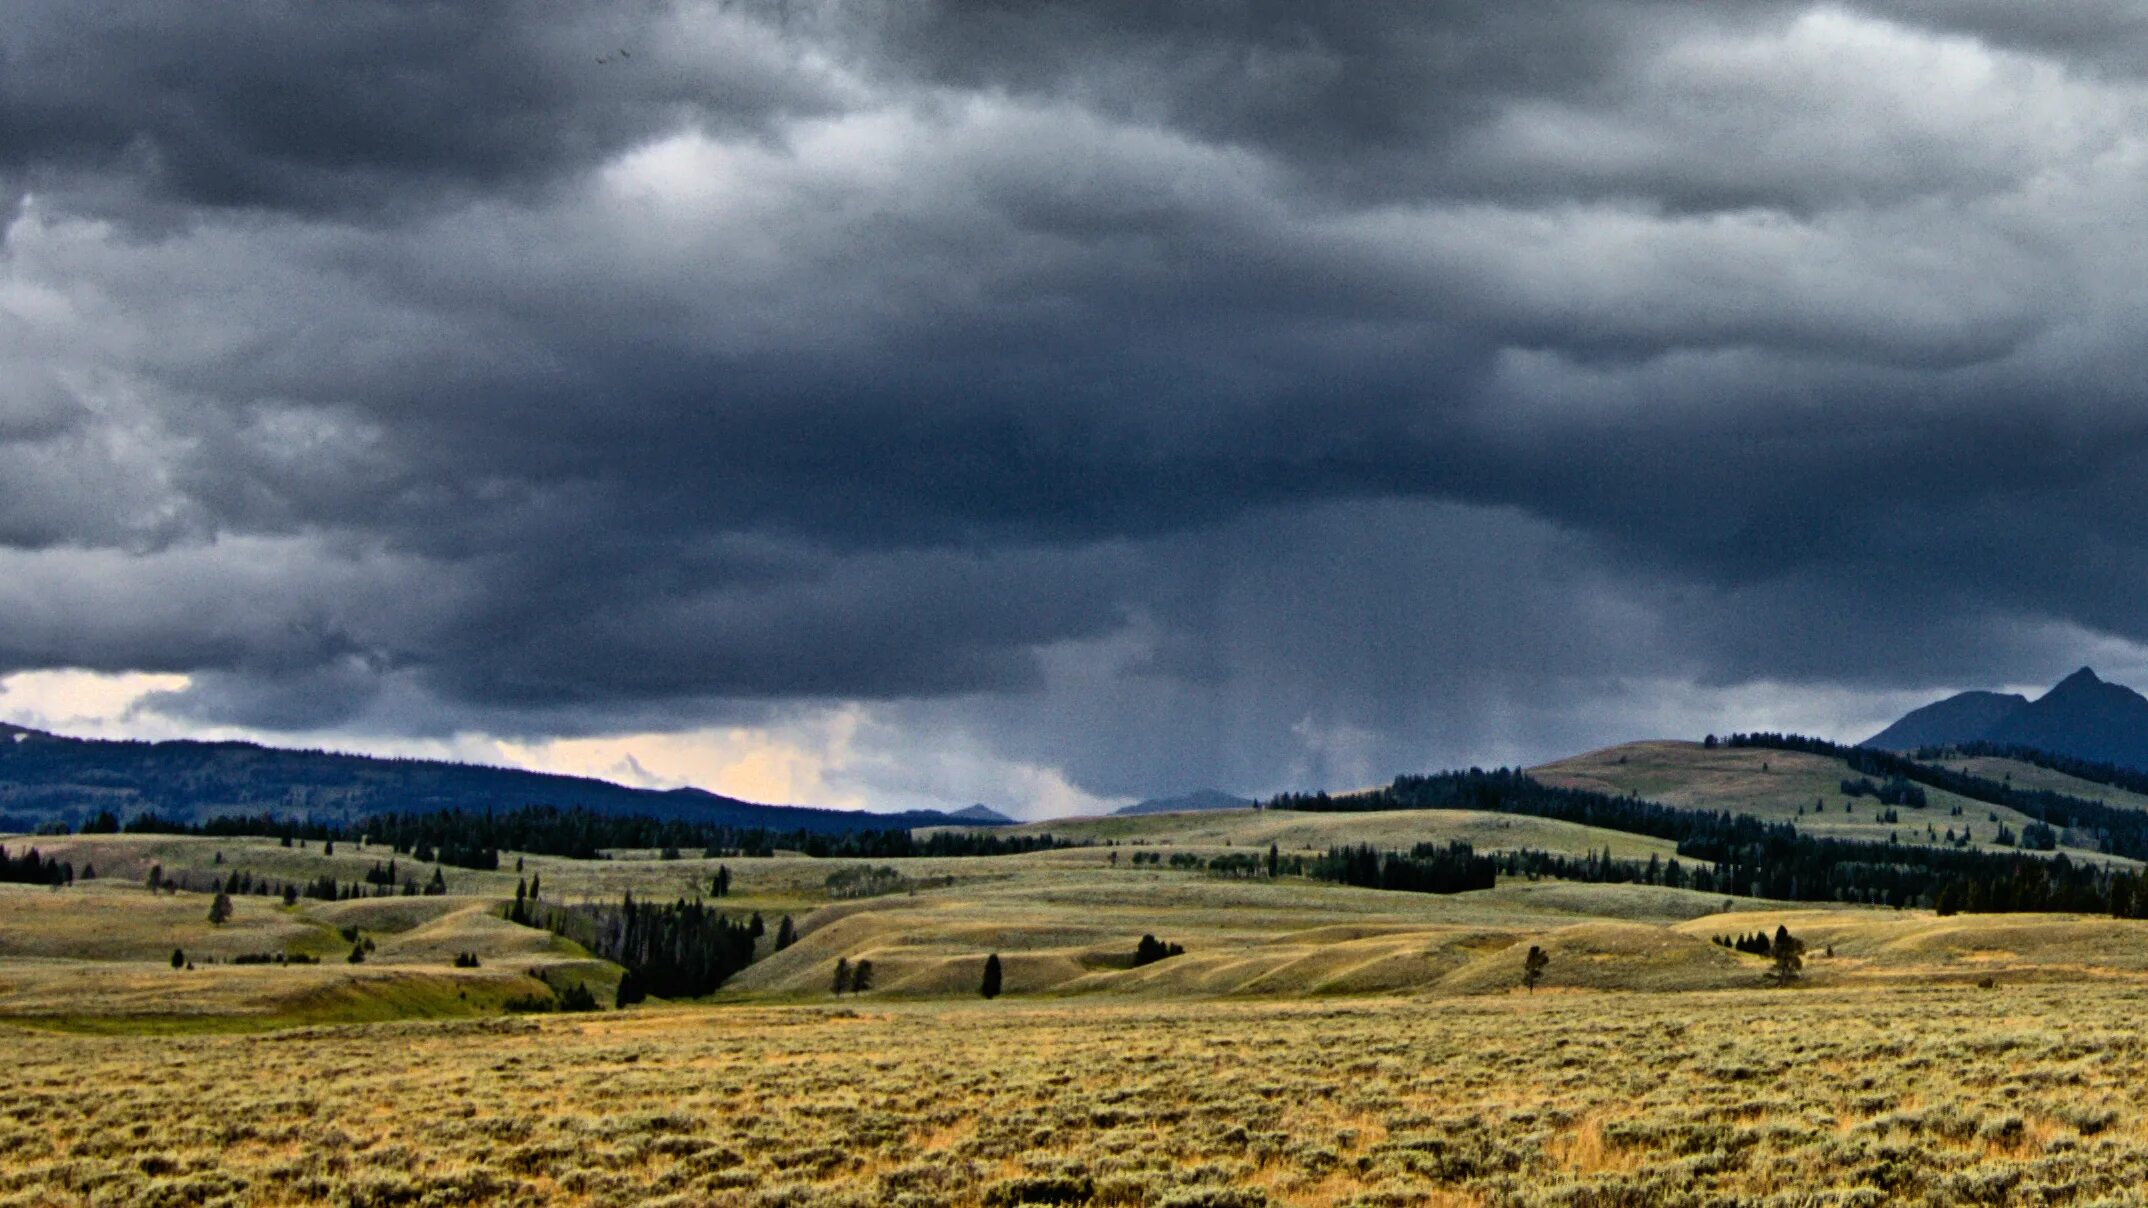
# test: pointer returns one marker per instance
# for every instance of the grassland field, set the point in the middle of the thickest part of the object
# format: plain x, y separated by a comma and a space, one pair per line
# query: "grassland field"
1786, 786
1936, 1095
1316, 1044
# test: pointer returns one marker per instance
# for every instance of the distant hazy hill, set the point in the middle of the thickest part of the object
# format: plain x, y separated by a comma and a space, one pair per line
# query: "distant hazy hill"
2084, 717
1203, 799
981, 815
46, 777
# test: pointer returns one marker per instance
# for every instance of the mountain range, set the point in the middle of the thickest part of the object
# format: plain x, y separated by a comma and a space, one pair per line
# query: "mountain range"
2084, 717
50, 778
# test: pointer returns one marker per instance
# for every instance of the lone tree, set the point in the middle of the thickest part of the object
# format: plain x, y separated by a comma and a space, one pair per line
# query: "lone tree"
786, 933
990, 988
842, 975
1532, 967
861, 977
220, 909
178, 958
1788, 953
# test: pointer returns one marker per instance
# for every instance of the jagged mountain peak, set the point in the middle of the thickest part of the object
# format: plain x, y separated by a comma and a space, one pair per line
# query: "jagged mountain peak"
2083, 715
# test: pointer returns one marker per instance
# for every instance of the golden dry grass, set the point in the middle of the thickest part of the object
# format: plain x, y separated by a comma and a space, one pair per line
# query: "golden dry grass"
1221, 830
1933, 1096
1316, 1045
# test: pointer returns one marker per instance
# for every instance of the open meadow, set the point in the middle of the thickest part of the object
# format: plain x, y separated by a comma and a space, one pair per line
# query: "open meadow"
1314, 1044
1806, 789
1934, 1094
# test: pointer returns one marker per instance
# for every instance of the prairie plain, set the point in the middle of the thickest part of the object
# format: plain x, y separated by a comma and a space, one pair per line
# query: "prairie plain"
1315, 1044
1936, 1094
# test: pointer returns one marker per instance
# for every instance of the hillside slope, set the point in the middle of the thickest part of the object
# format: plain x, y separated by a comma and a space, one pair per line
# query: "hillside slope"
1781, 786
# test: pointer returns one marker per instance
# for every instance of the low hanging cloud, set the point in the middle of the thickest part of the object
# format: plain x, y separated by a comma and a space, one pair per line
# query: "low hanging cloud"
1098, 398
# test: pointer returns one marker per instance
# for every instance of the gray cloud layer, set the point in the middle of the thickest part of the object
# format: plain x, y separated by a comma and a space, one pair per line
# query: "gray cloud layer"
1254, 393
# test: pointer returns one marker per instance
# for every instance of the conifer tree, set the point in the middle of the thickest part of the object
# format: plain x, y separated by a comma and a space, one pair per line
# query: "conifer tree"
786, 933
1533, 967
842, 976
178, 958
220, 909
1788, 953
990, 988
861, 977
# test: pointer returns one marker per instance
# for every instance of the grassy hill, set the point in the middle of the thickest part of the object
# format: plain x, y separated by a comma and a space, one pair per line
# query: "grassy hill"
2025, 775
1217, 830
1064, 923
1786, 786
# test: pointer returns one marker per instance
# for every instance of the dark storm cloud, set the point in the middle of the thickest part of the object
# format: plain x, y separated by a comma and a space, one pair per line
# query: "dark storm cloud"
350, 106
1266, 392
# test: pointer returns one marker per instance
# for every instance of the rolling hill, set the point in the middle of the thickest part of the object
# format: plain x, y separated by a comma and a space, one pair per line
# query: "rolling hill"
48, 778
1785, 786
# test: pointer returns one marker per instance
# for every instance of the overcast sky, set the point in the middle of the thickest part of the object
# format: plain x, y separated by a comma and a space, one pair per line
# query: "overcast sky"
905, 403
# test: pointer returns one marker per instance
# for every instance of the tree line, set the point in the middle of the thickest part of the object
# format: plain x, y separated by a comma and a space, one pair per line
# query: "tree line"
474, 839
1798, 868
1895, 790
1425, 868
1727, 853
33, 868
1512, 791
2133, 780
